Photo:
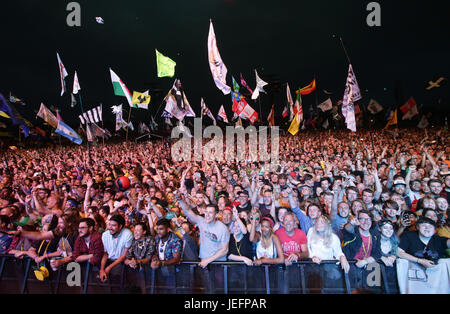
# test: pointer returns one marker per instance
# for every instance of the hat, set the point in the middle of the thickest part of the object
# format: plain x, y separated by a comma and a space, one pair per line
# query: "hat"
109, 179
170, 215
399, 181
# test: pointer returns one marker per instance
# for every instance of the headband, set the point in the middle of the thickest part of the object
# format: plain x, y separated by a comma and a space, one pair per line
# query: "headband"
270, 220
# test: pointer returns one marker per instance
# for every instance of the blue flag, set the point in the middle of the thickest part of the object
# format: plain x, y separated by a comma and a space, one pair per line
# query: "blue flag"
16, 119
66, 131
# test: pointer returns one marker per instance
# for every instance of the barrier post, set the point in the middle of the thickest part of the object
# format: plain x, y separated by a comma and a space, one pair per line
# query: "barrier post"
86, 277
25, 276
2, 266
225, 279
266, 273
302, 278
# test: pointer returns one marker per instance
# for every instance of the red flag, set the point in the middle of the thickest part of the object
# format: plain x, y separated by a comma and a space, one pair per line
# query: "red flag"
309, 89
271, 117
408, 105
285, 112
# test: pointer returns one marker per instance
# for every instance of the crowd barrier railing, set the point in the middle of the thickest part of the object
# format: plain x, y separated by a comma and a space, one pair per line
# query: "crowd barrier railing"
302, 277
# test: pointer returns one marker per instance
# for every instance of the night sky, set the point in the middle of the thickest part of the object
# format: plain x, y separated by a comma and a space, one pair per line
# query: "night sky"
286, 41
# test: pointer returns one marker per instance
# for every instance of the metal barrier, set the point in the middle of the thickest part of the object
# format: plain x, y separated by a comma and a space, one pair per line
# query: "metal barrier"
188, 278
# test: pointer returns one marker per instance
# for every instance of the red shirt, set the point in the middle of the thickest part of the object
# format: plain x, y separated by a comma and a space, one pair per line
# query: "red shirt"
291, 244
365, 249
95, 248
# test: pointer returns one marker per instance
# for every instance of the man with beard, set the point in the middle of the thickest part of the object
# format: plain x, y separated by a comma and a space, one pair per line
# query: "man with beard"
436, 188
88, 245
116, 242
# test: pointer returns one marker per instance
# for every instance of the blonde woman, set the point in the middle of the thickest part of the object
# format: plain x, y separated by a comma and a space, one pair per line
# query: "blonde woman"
323, 244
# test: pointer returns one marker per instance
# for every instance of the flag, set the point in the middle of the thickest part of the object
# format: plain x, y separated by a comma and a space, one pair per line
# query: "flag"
374, 107
117, 110
271, 117
119, 87
218, 68
222, 114
66, 131
58, 115
308, 89
244, 83
168, 121
205, 111
293, 128
62, 73
140, 100
13, 99
357, 109
290, 102
176, 103
94, 115
435, 84
89, 135
259, 86
73, 102
153, 124
99, 20
47, 116
298, 110
165, 66
243, 109
4, 115
409, 109
76, 84
392, 119
423, 122
184, 129
351, 95
187, 106
285, 111
325, 124
326, 105
236, 86
130, 125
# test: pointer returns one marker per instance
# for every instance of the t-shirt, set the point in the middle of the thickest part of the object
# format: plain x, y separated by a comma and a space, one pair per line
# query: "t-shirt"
411, 244
212, 236
246, 208
115, 246
365, 249
291, 244
5, 242
241, 248
317, 247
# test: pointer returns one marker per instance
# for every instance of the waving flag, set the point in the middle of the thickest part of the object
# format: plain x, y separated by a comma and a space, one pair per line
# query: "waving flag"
165, 66
119, 87
236, 86
47, 116
374, 107
205, 111
326, 105
244, 83
15, 117
63, 73
66, 131
271, 117
259, 86
423, 123
290, 102
285, 111
298, 108
243, 109
409, 109
222, 114
351, 95
294, 127
392, 119
93, 115
308, 89
218, 68
76, 84
140, 100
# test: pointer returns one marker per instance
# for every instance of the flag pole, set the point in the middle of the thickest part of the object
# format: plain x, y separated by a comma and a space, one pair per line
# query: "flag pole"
345, 50
103, 137
82, 114
128, 123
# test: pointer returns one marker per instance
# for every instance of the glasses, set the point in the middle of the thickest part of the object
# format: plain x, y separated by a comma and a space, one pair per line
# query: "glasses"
82, 228
365, 219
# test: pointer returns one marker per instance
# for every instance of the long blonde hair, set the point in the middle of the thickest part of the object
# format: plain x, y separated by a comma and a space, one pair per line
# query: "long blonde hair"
327, 236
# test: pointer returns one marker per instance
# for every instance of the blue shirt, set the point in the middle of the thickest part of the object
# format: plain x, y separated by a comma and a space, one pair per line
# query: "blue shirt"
115, 246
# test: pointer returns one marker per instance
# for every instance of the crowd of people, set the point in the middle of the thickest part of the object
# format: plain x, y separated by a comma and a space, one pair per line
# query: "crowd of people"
370, 196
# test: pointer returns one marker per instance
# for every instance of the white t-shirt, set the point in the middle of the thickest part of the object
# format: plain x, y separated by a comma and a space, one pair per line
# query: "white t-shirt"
212, 236
319, 249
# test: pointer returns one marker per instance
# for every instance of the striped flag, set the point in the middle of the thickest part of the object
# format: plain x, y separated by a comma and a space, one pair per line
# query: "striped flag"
308, 89
66, 131
62, 73
120, 88
92, 116
206, 111
218, 68
290, 102
351, 95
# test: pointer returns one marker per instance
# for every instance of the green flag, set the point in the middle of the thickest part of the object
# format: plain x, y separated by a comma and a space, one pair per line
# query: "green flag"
235, 85
165, 65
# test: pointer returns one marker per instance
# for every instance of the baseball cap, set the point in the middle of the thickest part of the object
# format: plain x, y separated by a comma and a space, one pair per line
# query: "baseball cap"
399, 181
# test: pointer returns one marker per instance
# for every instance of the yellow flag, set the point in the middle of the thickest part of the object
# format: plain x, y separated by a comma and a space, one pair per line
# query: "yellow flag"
3, 114
392, 121
140, 100
293, 129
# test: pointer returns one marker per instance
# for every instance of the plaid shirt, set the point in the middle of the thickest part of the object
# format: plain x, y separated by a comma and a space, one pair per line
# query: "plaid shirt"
174, 245
95, 248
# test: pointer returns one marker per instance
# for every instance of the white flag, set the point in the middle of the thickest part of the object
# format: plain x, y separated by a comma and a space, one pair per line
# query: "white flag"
374, 107
291, 102
99, 20
351, 95
259, 86
423, 123
76, 84
62, 73
326, 105
325, 124
218, 68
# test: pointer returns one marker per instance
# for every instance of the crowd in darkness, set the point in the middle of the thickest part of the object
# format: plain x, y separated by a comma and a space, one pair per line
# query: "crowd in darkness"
369, 196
